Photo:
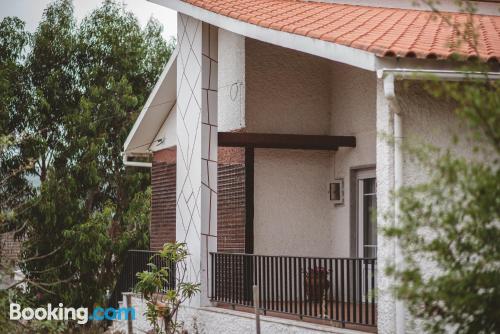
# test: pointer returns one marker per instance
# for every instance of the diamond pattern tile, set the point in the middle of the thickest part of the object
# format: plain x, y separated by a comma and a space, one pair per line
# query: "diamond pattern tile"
196, 137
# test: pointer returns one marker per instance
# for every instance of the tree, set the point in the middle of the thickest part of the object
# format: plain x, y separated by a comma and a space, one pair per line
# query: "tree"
81, 88
13, 40
449, 227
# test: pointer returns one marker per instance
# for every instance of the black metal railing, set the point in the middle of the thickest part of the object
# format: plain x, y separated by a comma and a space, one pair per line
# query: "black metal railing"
137, 261
337, 289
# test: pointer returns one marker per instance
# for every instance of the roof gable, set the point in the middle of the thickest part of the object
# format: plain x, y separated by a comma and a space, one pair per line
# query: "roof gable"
159, 105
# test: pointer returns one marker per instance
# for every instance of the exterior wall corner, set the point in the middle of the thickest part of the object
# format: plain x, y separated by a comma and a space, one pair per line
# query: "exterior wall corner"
196, 211
385, 185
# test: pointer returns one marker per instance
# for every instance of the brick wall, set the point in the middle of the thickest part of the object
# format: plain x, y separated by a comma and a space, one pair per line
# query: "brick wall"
162, 227
9, 248
231, 214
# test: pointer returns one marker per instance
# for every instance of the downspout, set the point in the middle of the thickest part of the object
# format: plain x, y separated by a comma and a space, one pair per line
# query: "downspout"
390, 95
128, 163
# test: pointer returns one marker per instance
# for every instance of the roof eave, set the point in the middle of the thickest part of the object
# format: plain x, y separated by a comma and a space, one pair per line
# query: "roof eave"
336, 52
133, 149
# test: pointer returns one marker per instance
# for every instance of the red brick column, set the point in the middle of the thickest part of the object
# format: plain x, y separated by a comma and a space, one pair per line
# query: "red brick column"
231, 213
163, 178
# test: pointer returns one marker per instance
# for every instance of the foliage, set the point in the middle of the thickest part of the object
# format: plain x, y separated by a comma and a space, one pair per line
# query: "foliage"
163, 304
69, 94
449, 234
449, 226
20, 327
13, 40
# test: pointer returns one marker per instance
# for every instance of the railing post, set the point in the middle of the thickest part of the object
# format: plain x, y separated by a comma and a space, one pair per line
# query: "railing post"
130, 327
256, 298
212, 277
248, 269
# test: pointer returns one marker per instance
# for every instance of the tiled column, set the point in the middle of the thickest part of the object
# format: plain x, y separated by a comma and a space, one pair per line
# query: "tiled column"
196, 214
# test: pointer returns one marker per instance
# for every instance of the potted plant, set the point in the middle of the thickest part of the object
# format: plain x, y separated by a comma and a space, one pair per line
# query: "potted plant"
316, 283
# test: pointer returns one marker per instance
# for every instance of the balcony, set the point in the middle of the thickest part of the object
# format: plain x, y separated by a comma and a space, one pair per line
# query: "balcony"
336, 291
137, 261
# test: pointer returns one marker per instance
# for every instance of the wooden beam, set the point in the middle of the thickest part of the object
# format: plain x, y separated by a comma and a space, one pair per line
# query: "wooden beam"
285, 141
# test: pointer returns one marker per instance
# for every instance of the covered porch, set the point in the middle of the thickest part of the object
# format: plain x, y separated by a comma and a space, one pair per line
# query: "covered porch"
303, 185
286, 250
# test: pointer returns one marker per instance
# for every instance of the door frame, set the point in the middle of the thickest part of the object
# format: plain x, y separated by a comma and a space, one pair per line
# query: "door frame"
354, 172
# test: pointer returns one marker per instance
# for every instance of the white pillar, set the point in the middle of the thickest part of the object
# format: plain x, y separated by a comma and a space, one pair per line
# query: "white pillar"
398, 182
385, 183
196, 211
231, 99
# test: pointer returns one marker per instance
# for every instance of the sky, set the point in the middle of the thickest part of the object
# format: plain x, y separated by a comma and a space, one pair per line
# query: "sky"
31, 12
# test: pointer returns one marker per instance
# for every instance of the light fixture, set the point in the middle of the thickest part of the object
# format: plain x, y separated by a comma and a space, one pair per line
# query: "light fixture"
337, 191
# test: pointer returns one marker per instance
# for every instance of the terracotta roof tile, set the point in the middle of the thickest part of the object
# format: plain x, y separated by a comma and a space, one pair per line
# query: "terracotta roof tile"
383, 31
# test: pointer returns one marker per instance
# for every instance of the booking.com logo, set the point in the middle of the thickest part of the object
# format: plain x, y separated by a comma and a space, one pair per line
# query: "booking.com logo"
81, 314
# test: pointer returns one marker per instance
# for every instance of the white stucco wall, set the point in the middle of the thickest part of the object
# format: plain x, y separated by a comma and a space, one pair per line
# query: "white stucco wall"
288, 92
425, 120
353, 96
231, 97
428, 121
292, 206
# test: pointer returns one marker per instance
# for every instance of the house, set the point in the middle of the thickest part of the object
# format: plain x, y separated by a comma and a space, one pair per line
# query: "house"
268, 130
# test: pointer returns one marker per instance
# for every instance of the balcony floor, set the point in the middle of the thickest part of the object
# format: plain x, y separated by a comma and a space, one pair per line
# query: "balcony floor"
311, 319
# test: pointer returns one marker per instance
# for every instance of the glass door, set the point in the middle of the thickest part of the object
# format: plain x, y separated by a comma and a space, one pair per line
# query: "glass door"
366, 217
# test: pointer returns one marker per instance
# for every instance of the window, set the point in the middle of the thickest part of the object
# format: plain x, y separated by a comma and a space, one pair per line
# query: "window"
366, 216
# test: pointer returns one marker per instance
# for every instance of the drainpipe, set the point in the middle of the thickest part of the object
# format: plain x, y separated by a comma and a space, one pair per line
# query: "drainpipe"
446, 75
128, 163
390, 95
